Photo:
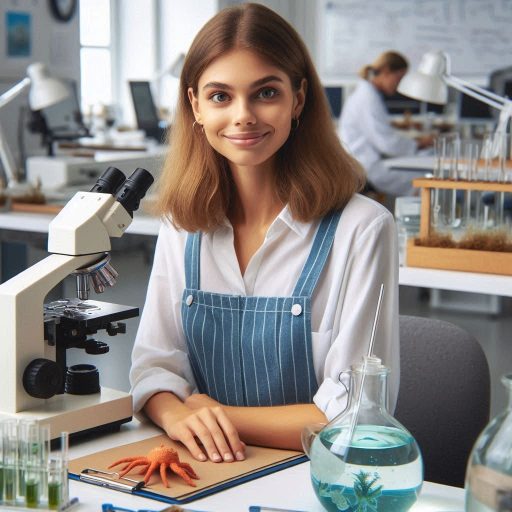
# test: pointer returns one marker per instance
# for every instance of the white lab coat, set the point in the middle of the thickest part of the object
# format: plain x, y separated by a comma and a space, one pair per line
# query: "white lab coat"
366, 132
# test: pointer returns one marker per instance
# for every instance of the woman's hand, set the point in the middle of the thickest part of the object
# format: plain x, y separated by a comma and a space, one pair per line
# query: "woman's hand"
204, 421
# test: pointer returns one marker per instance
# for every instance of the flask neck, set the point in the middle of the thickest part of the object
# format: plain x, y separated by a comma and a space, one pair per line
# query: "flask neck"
373, 386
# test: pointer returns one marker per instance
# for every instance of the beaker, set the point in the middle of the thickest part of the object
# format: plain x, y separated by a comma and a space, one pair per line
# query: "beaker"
489, 472
364, 459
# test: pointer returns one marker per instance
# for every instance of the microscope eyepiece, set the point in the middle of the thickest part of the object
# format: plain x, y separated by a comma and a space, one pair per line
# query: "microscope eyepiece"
134, 189
110, 181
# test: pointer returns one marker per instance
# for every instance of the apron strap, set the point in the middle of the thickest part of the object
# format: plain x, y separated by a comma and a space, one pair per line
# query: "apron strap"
320, 250
192, 253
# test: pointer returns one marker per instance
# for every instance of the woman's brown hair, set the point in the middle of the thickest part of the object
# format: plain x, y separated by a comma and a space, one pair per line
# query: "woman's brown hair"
392, 61
315, 175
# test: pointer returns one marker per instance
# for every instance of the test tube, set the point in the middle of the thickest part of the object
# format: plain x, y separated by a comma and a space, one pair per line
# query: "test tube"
64, 458
10, 461
54, 484
58, 489
31, 463
43, 461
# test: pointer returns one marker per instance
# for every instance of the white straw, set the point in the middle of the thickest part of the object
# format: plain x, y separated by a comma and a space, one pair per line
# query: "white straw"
364, 369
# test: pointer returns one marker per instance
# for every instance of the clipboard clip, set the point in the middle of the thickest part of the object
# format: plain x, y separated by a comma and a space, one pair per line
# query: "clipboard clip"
110, 480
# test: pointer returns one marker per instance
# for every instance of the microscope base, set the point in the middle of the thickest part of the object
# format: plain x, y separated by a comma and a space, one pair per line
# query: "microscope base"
78, 414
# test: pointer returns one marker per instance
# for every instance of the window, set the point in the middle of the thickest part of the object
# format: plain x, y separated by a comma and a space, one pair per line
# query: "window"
95, 53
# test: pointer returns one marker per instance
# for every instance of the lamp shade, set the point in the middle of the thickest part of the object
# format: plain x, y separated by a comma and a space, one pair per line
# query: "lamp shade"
427, 83
44, 90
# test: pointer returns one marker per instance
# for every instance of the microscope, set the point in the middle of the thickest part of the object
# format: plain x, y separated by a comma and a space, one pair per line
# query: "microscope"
35, 381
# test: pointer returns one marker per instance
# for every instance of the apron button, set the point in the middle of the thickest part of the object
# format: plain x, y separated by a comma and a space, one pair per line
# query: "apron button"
296, 309
189, 300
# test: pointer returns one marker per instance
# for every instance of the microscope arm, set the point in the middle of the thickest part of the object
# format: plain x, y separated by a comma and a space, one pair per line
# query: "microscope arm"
21, 318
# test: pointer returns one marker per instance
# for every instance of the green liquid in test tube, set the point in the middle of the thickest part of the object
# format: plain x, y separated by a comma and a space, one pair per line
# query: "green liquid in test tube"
54, 495
32, 493
10, 485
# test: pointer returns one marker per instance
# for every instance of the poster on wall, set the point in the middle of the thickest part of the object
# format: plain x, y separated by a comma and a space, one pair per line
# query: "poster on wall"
18, 33
24, 37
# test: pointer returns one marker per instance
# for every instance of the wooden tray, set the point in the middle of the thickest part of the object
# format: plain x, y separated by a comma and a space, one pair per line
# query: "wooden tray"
464, 260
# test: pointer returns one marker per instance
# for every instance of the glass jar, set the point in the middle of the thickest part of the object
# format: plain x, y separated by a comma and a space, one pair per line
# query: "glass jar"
364, 459
489, 473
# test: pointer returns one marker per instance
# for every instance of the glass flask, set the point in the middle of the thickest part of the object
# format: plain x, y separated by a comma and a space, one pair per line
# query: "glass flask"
364, 459
489, 472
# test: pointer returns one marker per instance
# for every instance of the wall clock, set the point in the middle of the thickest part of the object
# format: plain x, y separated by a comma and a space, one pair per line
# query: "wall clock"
63, 10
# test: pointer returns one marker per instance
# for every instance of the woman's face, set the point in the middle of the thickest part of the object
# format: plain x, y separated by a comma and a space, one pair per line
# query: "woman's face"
246, 106
388, 80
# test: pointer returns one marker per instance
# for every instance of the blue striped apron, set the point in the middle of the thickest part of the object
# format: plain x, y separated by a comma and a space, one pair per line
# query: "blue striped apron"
254, 350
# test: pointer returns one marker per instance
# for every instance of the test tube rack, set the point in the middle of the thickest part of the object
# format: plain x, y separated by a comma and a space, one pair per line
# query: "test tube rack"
466, 260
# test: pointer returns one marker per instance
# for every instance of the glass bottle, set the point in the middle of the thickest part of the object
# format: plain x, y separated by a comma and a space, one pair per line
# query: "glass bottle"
489, 472
364, 459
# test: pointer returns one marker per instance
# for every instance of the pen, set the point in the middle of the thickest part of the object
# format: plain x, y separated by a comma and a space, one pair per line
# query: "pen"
109, 507
254, 508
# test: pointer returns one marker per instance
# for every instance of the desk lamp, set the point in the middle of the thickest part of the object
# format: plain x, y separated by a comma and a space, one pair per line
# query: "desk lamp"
430, 83
44, 91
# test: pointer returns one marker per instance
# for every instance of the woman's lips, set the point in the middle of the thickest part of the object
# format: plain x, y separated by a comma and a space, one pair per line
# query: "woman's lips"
246, 139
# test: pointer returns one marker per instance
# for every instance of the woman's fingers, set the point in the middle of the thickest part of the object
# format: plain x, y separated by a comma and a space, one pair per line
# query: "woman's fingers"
211, 428
223, 433
231, 435
186, 436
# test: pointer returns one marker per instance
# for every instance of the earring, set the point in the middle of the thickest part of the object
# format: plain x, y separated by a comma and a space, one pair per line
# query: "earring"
296, 125
194, 127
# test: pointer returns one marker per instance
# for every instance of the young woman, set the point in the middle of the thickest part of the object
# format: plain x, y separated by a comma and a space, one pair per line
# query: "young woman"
365, 127
268, 264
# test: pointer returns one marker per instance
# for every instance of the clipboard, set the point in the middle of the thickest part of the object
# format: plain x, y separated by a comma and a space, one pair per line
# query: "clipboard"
213, 477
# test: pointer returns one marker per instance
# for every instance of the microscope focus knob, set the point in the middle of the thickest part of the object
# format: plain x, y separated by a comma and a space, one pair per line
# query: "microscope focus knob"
42, 378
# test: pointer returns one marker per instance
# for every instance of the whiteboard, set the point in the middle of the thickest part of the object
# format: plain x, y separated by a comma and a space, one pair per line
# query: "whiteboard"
476, 34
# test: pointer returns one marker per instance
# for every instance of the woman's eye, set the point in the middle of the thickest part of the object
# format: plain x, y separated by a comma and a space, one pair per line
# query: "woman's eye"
267, 93
219, 97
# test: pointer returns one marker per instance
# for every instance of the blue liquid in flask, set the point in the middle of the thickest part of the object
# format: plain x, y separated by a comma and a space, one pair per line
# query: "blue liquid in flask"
382, 470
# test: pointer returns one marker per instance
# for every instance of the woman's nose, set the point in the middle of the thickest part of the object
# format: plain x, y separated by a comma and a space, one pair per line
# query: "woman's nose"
244, 114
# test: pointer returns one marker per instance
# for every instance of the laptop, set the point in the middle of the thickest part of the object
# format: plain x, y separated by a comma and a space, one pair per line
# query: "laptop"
145, 110
64, 119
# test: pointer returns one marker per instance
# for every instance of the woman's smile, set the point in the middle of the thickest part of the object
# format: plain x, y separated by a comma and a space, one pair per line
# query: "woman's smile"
246, 139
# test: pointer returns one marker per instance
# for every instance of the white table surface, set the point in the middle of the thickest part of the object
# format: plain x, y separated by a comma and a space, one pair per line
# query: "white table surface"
287, 489
409, 276
411, 163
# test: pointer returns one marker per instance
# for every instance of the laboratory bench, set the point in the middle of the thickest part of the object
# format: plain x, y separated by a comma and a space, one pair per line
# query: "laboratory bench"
147, 225
288, 489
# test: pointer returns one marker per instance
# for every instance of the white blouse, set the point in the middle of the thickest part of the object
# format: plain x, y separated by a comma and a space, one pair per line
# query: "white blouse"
363, 255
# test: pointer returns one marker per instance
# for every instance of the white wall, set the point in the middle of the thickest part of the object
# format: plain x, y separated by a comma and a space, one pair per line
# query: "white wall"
179, 22
54, 43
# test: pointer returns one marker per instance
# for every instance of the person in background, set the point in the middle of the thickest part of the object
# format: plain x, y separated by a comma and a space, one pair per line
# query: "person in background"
268, 264
366, 131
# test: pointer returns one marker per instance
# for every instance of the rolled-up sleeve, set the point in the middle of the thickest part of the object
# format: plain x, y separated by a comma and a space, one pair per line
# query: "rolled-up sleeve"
372, 261
159, 358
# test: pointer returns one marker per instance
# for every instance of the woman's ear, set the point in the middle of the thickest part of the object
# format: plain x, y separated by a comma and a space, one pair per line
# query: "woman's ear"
194, 102
300, 98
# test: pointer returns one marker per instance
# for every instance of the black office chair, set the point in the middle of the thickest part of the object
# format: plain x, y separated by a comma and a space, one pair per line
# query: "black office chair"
444, 395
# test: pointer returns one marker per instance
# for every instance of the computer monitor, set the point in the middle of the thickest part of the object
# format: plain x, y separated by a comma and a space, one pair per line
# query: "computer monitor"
399, 104
145, 110
473, 109
64, 119
335, 99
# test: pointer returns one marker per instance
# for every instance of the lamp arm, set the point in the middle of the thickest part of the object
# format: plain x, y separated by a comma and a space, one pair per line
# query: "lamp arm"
7, 160
488, 97
14, 91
